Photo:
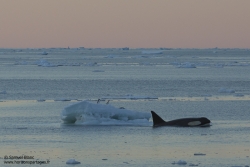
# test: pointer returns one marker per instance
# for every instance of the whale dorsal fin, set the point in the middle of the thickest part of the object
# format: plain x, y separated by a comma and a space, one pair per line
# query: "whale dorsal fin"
156, 119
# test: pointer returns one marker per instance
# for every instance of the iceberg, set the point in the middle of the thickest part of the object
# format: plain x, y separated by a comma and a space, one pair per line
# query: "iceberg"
88, 113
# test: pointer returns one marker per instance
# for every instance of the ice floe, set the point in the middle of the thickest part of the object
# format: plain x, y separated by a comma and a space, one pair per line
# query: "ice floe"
125, 48
111, 56
92, 64
45, 63
180, 162
88, 113
219, 65
226, 90
208, 65
44, 53
187, 65
41, 100
72, 161
3, 92
62, 99
239, 95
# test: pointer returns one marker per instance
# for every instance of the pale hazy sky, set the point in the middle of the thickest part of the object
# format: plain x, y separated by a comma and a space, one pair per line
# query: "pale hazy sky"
125, 23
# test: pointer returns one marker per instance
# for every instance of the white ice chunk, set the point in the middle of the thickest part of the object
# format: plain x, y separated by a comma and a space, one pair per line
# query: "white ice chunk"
88, 113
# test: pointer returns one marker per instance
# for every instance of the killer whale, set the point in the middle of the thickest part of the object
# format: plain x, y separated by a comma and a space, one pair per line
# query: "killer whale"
183, 122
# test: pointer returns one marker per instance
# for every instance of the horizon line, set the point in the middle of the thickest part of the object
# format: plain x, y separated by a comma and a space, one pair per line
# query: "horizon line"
124, 48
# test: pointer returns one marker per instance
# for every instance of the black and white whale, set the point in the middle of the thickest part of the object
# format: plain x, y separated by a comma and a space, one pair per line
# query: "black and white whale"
183, 122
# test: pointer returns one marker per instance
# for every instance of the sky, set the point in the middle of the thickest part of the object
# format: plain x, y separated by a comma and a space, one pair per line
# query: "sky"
125, 23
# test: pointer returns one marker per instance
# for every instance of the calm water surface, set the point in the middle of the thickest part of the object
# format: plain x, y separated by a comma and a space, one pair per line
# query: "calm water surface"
218, 88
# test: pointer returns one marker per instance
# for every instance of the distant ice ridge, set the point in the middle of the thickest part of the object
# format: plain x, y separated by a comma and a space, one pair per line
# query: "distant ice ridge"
88, 113
130, 96
209, 65
45, 63
152, 52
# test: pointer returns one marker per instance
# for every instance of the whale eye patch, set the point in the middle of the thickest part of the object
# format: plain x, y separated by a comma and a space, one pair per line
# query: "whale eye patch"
194, 123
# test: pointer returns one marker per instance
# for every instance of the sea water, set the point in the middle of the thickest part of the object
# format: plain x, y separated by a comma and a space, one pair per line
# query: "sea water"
37, 89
